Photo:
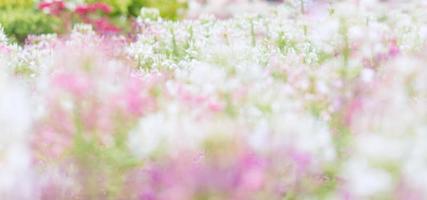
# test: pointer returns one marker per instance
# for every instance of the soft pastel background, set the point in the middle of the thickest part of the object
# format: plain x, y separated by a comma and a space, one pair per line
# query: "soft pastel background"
213, 99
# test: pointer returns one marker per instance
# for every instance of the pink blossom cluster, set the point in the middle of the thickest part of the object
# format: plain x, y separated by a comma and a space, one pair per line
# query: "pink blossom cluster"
85, 12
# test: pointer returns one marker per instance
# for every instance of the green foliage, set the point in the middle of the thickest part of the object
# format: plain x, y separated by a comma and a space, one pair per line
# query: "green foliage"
150, 14
16, 3
169, 9
20, 22
107, 164
19, 17
135, 7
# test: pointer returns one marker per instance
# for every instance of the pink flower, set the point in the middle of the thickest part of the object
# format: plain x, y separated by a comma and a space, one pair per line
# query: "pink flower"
184, 177
54, 7
4, 49
101, 25
215, 106
52, 143
135, 101
406, 191
393, 49
354, 107
193, 100
93, 7
251, 172
104, 26
75, 84
301, 159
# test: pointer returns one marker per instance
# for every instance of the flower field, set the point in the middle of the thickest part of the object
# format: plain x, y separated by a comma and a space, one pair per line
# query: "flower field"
320, 100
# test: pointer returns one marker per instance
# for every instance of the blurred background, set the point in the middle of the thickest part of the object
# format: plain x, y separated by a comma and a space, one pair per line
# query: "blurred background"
19, 18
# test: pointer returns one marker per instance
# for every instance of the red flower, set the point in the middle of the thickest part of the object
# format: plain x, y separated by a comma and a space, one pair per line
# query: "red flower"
104, 26
93, 7
54, 7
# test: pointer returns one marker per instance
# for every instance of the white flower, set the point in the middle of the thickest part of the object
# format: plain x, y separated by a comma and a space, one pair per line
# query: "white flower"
15, 125
3, 38
15, 112
365, 181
